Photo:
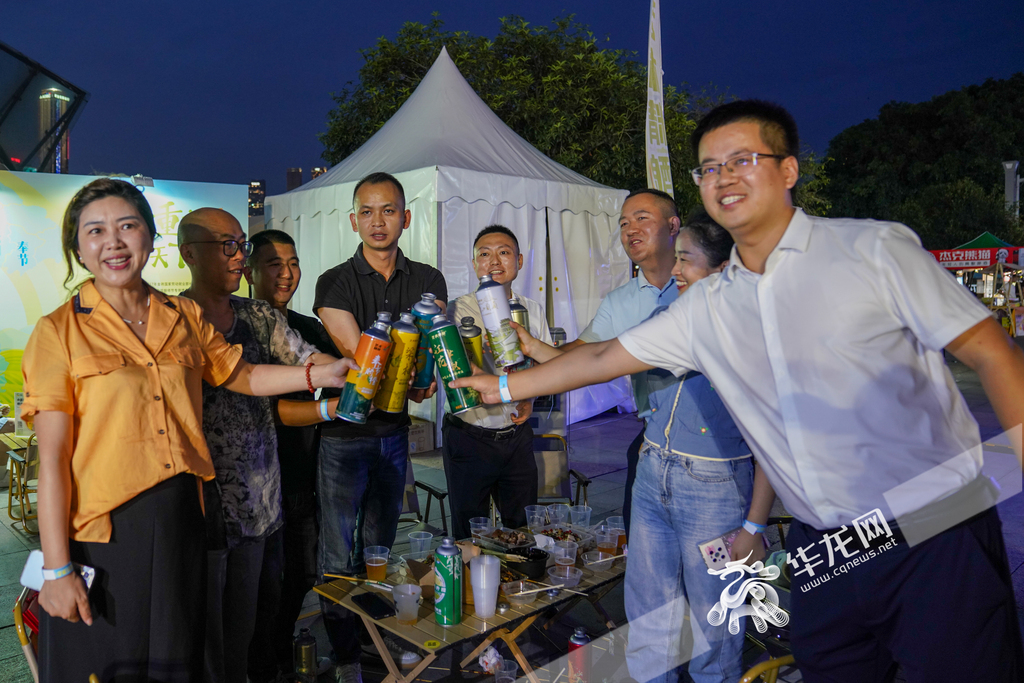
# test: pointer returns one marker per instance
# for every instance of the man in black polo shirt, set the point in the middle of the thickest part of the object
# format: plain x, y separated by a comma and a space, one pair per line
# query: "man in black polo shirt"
361, 470
289, 557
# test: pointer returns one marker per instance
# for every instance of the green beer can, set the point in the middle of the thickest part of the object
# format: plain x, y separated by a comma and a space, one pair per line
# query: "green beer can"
448, 583
452, 360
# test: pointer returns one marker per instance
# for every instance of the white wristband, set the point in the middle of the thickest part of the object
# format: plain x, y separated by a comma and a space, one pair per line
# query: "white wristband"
752, 528
506, 395
59, 573
324, 414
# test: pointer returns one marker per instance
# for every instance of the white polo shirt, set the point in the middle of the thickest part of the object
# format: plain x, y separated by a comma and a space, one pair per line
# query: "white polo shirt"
831, 364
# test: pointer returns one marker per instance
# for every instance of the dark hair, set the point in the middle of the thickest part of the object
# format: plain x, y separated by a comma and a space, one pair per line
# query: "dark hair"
265, 237
714, 240
778, 129
657, 193
491, 229
377, 178
101, 188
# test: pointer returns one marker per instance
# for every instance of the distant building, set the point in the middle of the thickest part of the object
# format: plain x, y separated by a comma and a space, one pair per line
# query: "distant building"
53, 102
293, 178
319, 171
257, 191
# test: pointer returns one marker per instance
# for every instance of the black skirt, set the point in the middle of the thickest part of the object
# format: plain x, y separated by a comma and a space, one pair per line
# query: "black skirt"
148, 599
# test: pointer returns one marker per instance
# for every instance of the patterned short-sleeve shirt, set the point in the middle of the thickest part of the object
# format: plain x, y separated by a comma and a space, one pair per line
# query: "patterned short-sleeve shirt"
240, 429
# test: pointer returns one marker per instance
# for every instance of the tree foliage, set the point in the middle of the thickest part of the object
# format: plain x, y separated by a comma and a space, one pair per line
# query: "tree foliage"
582, 105
935, 166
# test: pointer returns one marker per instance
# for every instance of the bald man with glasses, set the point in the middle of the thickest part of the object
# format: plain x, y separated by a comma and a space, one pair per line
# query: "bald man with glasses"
243, 503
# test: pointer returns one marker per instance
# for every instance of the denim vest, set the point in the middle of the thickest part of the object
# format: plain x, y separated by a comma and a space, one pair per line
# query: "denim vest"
688, 418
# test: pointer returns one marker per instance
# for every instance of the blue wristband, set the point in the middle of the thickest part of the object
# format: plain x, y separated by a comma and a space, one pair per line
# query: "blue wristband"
506, 395
324, 415
752, 528
60, 573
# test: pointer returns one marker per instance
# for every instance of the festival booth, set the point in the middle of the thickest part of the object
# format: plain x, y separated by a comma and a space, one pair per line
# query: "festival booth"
463, 169
32, 267
993, 270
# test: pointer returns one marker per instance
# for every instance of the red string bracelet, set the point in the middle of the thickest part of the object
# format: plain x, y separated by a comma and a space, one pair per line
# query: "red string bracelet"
309, 382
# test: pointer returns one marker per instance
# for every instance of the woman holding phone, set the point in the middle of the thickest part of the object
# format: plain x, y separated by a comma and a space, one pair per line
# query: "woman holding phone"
113, 385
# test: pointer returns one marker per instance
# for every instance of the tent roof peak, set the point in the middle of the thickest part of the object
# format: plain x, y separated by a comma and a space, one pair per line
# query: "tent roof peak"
444, 123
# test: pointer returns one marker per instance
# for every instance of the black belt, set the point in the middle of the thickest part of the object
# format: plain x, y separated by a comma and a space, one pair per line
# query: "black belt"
482, 432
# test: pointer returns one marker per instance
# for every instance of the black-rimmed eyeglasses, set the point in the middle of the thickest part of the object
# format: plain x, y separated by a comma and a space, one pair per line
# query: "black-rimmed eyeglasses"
738, 166
230, 247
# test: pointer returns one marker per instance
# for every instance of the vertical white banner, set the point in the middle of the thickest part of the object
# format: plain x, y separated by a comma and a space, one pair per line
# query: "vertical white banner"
659, 172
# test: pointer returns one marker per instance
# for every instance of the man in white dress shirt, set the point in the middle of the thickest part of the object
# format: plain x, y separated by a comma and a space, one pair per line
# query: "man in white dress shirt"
896, 554
488, 451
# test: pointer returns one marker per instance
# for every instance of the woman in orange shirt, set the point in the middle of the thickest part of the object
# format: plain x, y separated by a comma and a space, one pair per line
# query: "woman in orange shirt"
113, 385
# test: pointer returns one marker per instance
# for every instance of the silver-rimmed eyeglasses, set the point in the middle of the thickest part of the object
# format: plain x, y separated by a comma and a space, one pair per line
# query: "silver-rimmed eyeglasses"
739, 166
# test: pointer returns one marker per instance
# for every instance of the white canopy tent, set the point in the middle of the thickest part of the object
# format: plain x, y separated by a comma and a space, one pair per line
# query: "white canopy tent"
463, 169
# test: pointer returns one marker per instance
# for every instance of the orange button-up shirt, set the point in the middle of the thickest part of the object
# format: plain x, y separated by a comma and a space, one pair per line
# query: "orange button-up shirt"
136, 407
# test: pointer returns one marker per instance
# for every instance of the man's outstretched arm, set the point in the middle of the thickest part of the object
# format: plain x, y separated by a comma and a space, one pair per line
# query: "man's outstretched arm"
585, 365
999, 362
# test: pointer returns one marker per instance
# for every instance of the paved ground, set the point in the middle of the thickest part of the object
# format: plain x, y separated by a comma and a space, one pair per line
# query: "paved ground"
598, 449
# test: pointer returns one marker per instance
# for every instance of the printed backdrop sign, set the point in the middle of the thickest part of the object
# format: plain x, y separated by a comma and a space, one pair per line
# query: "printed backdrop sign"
32, 268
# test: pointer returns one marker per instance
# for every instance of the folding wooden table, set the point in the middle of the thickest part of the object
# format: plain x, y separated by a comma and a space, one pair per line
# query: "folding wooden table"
428, 636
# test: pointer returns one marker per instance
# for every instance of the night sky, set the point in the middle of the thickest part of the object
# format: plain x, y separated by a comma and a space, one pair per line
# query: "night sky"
225, 91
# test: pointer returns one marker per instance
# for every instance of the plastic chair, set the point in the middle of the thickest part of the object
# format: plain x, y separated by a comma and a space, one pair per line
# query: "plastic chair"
23, 473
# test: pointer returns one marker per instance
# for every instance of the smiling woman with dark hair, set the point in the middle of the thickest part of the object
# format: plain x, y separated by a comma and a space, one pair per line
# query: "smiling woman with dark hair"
113, 386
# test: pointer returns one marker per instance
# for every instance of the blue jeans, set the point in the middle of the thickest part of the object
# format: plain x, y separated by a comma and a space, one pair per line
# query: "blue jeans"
360, 483
679, 502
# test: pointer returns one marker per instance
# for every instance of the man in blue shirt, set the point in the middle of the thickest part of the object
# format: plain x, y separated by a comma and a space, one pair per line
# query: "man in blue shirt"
648, 226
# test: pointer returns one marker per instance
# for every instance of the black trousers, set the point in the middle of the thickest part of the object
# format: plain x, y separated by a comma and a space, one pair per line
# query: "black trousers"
632, 460
943, 610
289, 573
148, 599
478, 467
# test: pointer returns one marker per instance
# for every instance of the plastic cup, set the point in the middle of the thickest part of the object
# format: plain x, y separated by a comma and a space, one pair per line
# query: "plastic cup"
480, 526
580, 515
558, 513
376, 557
407, 600
485, 577
619, 524
419, 541
607, 541
536, 522
507, 671
565, 552
533, 510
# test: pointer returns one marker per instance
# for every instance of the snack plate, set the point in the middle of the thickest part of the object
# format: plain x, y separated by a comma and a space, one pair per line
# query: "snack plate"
586, 537
495, 544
